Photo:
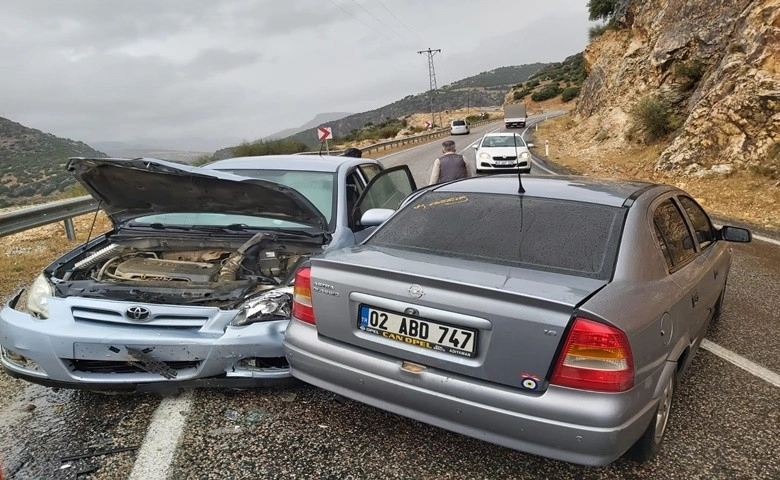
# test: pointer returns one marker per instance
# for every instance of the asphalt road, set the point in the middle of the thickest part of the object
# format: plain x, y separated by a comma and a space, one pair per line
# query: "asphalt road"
724, 423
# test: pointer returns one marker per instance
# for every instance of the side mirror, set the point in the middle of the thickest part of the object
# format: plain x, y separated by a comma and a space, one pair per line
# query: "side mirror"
529, 145
735, 234
476, 146
376, 216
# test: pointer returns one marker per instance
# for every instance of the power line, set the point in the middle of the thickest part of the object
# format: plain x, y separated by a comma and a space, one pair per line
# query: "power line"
375, 18
399, 20
361, 21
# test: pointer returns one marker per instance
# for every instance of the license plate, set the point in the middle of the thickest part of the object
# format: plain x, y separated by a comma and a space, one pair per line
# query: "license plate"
418, 332
505, 162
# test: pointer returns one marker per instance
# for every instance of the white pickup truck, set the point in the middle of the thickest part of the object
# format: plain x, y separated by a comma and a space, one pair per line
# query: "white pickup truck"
514, 115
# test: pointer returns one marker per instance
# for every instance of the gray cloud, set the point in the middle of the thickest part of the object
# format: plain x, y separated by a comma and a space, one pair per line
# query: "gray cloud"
215, 71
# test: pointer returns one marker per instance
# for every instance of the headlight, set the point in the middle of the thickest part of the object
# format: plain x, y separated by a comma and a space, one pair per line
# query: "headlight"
484, 155
38, 297
271, 305
525, 155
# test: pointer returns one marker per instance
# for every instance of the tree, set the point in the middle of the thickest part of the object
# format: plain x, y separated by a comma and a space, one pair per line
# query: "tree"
601, 9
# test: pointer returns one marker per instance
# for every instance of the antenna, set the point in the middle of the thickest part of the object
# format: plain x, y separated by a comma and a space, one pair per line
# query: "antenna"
432, 77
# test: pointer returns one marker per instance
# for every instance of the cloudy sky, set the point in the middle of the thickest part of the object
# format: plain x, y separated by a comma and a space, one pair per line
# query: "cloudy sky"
204, 74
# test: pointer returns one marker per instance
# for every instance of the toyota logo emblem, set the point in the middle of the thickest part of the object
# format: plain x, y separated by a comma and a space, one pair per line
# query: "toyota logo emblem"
137, 313
415, 291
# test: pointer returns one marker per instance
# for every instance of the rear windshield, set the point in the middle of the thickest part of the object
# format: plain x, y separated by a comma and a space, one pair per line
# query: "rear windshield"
545, 234
458, 123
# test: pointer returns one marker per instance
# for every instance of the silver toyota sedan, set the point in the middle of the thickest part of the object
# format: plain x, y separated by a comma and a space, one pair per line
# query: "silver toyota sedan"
552, 315
192, 286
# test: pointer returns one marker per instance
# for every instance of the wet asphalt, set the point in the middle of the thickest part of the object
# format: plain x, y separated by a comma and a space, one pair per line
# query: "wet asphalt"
725, 421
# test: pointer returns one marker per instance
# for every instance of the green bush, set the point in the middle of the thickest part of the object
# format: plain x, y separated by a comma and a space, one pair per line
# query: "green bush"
570, 93
654, 117
601, 9
689, 73
521, 94
269, 147
550, 91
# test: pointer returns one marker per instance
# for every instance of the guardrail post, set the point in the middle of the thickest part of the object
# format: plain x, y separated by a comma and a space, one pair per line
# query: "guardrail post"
70, 232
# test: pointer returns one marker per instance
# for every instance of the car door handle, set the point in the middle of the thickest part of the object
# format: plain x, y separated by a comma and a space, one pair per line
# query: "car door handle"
694, 299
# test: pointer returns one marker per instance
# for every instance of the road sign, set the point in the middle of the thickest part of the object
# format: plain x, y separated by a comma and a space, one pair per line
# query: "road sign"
427, 125
324, 133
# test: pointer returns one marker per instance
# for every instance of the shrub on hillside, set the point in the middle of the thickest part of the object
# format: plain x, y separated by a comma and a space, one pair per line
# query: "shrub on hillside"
570, 93
548, 92
269, 147
653, 116
689, 73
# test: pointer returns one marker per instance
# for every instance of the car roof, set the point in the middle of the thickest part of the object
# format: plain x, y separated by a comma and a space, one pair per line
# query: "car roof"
612, 192
312, 163
502, 134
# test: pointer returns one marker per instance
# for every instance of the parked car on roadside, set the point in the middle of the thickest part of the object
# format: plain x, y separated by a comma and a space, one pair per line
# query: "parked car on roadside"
502, 152
459, 127
192, 286
554, 317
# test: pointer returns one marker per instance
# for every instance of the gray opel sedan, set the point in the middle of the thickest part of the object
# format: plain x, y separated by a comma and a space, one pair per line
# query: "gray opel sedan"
192, 286
553, 316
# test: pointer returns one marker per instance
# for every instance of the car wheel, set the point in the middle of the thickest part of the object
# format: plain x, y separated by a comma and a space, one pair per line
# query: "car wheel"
649, 443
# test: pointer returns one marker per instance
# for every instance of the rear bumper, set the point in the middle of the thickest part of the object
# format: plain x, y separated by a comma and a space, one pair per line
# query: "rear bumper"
575, 426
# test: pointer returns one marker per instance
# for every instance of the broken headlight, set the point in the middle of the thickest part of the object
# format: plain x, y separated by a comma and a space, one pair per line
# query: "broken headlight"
271, 305
38, 297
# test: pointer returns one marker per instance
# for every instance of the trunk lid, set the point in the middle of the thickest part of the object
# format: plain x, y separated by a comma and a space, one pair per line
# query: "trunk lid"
517, 316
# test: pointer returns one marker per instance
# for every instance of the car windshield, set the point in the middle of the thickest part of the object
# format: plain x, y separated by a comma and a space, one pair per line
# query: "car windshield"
458, 123
562, 236
317, 187
503, 141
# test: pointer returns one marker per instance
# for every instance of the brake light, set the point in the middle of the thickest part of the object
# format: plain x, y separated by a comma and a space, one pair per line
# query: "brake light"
302, 308
595, 357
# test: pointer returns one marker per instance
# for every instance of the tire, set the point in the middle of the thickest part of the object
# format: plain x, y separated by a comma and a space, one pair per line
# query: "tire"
648, 445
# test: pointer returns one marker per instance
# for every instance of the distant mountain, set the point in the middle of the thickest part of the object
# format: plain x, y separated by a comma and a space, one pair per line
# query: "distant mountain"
32, 163
486, 89
320, 119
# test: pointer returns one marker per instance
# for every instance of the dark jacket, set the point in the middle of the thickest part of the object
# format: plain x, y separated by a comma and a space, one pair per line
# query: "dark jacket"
452, 166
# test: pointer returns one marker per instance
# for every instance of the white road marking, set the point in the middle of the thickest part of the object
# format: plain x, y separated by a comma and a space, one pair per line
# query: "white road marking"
742, 362
766, 239
155, 457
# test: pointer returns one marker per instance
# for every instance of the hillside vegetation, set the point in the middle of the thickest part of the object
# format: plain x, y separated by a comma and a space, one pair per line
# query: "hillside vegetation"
32, 164
562, 79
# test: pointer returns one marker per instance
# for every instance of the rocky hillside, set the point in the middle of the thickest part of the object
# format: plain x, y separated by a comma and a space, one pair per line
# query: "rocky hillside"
705, 72
32, 163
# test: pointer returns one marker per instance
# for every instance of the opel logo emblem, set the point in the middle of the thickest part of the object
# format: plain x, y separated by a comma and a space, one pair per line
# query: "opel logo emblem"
415, 291
137, 313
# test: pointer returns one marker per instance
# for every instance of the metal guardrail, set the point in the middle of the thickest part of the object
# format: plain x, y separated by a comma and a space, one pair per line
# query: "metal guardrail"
39, 215
26, 218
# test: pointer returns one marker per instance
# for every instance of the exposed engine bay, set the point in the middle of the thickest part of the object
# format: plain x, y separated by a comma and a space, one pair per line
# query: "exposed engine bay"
159, 272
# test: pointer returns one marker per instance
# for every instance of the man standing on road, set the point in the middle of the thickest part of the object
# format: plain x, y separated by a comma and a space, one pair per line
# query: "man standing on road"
450, 166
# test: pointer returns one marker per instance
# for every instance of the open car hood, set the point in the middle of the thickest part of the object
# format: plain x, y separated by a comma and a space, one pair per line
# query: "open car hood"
130, 188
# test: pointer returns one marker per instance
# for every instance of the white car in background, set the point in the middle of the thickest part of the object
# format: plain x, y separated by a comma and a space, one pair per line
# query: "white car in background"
459, 127
502, 152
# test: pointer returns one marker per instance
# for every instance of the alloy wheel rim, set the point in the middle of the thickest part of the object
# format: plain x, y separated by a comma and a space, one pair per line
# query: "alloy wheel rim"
664, 407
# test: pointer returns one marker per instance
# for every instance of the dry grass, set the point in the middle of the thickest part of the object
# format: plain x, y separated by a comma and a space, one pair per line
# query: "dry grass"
25, 254
742, 196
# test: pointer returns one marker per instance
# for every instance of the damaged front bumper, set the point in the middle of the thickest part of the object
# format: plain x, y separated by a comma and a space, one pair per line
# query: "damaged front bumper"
93, 344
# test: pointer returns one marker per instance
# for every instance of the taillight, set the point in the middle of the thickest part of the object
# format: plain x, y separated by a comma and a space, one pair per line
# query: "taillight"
595, 357
302, 308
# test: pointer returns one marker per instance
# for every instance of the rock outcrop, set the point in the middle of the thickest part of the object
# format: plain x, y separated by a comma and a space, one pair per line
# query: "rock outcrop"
716, 63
